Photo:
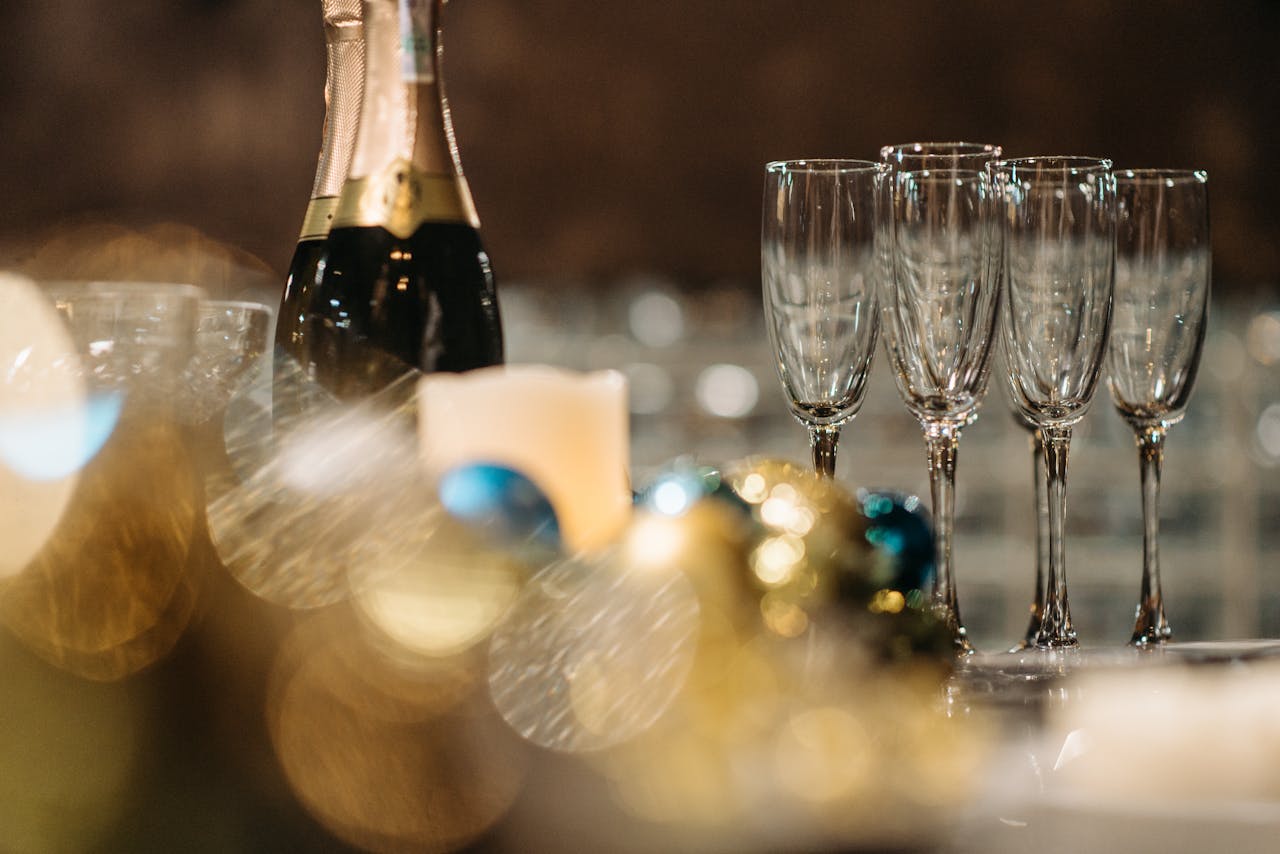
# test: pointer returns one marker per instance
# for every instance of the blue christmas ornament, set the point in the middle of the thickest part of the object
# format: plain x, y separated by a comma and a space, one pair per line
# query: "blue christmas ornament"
673, 491
900, 534
501, 504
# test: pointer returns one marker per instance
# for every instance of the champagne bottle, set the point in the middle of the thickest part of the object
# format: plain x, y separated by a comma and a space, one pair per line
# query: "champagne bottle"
343, 88
406, 282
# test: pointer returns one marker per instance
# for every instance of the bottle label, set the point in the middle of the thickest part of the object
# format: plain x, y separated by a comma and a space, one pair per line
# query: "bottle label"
319, 217
417, 39
403, 198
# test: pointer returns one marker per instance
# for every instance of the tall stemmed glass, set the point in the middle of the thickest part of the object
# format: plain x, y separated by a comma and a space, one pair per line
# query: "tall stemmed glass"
818, 268
1058, 273
1162, 300
941, 294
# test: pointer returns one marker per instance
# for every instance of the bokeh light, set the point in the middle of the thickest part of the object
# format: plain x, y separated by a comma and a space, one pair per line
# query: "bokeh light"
436, 590
42, 400
727, 391
313, 490
387, 758
108, 594
1267, 434
1262, 338
655, 319
592, 653
778, 744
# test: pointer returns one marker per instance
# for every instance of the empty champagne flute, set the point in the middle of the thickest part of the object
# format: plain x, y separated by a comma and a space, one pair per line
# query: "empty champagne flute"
939, 303
818, 268
1058, 278
1161, 307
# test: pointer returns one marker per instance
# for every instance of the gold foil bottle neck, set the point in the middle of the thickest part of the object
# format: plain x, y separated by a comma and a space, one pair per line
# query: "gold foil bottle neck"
319, 218
402, 198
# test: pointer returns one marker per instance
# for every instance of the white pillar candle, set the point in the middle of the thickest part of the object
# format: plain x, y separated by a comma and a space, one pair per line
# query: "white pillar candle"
566, 431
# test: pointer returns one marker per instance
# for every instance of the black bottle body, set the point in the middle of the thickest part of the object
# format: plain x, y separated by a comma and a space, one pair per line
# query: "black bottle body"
385, 304
304, 270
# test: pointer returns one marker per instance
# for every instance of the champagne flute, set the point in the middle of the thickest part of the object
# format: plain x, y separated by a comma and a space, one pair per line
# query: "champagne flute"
1058, 274
1162, 300
818, 267
939, 303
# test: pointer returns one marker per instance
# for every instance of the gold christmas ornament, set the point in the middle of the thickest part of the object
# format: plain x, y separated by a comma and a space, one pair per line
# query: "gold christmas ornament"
810, 542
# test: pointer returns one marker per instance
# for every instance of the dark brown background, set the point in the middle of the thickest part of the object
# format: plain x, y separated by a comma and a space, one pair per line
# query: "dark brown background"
604, 137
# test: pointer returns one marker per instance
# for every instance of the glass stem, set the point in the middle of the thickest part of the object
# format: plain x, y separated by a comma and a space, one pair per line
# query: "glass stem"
1041, 486
822, 440
942, 441
1055, 625
1150, 625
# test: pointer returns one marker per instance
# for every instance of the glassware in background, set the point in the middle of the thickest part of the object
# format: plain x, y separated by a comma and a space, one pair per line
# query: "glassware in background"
818, 266
938, 311
231, 340
110, 592
1058, 272
1158, 327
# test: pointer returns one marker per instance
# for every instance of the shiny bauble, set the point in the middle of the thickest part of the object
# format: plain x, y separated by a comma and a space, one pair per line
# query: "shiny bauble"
501, 505
902, 636
709, 543
810, 544
900, 535
680, 485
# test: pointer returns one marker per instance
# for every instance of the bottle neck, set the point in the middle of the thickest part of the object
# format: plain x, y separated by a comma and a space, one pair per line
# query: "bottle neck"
405, 168
343, 92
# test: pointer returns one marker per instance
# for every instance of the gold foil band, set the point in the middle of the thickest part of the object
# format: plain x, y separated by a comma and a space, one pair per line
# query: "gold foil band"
319, 218
344, 31
403, 198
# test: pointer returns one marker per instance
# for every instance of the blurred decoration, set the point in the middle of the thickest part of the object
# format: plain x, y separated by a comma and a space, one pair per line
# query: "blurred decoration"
900, 534
434, 587
568, 432
42, 421
109, 594
778, 745
593, 652
277, 398
501, 505
314, 488
856, 567
812, 542
677, 488
389, 758
808, 713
